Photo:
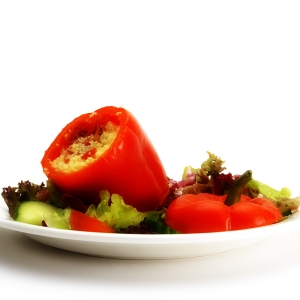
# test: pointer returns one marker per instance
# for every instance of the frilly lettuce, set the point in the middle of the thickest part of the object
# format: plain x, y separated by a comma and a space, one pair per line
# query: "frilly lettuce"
268, 191
282, 198
212, 166
155, 220
114, 212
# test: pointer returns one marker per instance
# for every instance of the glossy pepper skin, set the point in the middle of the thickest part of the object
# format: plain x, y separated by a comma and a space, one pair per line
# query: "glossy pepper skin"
208, 213
130, 167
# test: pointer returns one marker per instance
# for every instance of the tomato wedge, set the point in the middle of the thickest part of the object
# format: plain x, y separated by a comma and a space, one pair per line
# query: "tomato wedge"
207, 213
249, 213
82, 222
191, 214
246, 215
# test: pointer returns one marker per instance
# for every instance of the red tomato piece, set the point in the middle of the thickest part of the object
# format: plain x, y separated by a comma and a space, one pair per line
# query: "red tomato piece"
188, 214
207, 213
267, 204
246, 215
82, 222
207, 196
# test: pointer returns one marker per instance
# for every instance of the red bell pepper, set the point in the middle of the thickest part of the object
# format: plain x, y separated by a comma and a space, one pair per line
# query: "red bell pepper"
130, 166
210, 213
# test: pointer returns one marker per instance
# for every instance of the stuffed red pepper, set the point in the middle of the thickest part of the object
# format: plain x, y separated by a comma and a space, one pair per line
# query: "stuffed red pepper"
107, 150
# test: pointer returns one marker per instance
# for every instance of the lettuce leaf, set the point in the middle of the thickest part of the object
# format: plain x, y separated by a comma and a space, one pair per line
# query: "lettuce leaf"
154, 219
268, 191
114, 212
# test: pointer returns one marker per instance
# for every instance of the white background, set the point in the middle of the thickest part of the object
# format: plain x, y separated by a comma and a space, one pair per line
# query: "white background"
221, 76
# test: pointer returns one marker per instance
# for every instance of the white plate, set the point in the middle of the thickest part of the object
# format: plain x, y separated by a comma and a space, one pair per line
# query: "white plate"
138, 246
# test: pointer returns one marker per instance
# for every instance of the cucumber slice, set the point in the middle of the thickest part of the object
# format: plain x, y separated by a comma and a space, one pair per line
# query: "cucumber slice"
35, 212
60, 219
